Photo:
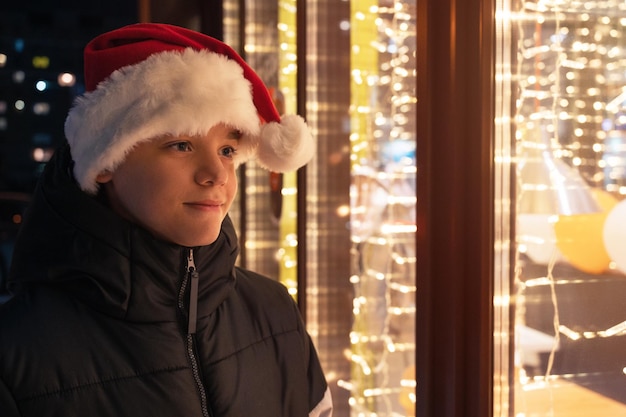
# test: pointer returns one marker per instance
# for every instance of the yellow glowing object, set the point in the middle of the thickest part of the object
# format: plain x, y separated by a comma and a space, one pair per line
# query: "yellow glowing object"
287, 84
579, 238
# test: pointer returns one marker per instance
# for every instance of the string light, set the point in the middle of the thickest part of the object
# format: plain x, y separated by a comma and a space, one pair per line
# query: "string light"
383, 208
568, 108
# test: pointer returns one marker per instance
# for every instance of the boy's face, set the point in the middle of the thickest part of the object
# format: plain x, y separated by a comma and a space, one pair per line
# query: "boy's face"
178, 188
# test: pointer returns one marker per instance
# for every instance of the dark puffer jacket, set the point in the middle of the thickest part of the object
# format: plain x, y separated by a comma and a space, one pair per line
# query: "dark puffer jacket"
108, 321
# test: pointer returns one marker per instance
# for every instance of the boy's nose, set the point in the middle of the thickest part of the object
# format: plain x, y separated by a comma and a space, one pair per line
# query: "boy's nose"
211, 171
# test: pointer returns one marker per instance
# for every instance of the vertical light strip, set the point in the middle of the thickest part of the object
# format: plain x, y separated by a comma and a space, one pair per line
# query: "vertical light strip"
502, 334
287, 86
315, 177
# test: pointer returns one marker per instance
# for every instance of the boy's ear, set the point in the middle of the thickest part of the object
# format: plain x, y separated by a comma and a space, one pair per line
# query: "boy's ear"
104, 177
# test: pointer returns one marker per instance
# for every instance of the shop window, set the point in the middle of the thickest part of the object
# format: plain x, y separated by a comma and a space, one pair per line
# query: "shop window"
561, 187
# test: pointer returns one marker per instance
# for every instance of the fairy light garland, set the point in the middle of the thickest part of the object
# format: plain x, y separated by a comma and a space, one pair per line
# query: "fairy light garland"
383, 208
571, 105
567, 79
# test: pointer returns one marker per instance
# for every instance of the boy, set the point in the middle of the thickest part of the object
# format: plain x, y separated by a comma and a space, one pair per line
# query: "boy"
127, 301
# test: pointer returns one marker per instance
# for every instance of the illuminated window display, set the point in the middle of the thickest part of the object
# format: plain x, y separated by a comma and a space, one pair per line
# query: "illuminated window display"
561, 160
383, 208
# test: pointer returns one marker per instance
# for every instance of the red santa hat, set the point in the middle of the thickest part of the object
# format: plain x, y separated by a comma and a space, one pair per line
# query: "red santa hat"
146, 80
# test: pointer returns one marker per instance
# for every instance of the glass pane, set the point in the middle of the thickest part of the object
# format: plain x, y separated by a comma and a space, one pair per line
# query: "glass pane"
561, 210
383, 198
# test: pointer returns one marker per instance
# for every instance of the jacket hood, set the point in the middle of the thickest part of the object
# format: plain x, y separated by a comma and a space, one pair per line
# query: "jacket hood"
71, 240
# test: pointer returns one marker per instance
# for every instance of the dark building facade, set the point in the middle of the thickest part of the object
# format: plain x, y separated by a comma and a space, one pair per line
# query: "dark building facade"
41, 46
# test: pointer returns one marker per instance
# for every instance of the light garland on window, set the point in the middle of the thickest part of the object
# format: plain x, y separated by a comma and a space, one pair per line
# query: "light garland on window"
570, 153
383, 199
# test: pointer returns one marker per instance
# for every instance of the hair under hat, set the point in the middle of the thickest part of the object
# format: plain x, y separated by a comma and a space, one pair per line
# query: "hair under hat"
146, 80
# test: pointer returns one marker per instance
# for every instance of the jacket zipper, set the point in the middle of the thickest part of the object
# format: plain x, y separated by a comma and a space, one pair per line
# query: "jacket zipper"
191, 278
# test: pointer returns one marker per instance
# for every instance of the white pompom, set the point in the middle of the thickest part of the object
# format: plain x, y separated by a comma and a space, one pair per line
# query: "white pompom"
285, 146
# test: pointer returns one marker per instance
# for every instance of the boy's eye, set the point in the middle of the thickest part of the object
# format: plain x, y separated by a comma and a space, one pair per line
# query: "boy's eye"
229, 151
181, 146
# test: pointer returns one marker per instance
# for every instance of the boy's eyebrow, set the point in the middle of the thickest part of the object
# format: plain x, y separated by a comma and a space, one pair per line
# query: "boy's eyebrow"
235, 134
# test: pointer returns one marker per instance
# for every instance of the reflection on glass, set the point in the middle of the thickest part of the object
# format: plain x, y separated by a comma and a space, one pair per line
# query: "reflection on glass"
561, 68
261, 50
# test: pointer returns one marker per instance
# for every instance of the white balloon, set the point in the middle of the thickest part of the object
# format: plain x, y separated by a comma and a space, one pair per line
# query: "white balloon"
614, 235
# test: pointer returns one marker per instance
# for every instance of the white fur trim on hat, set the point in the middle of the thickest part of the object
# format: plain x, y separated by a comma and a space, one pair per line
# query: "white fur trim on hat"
168, 93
